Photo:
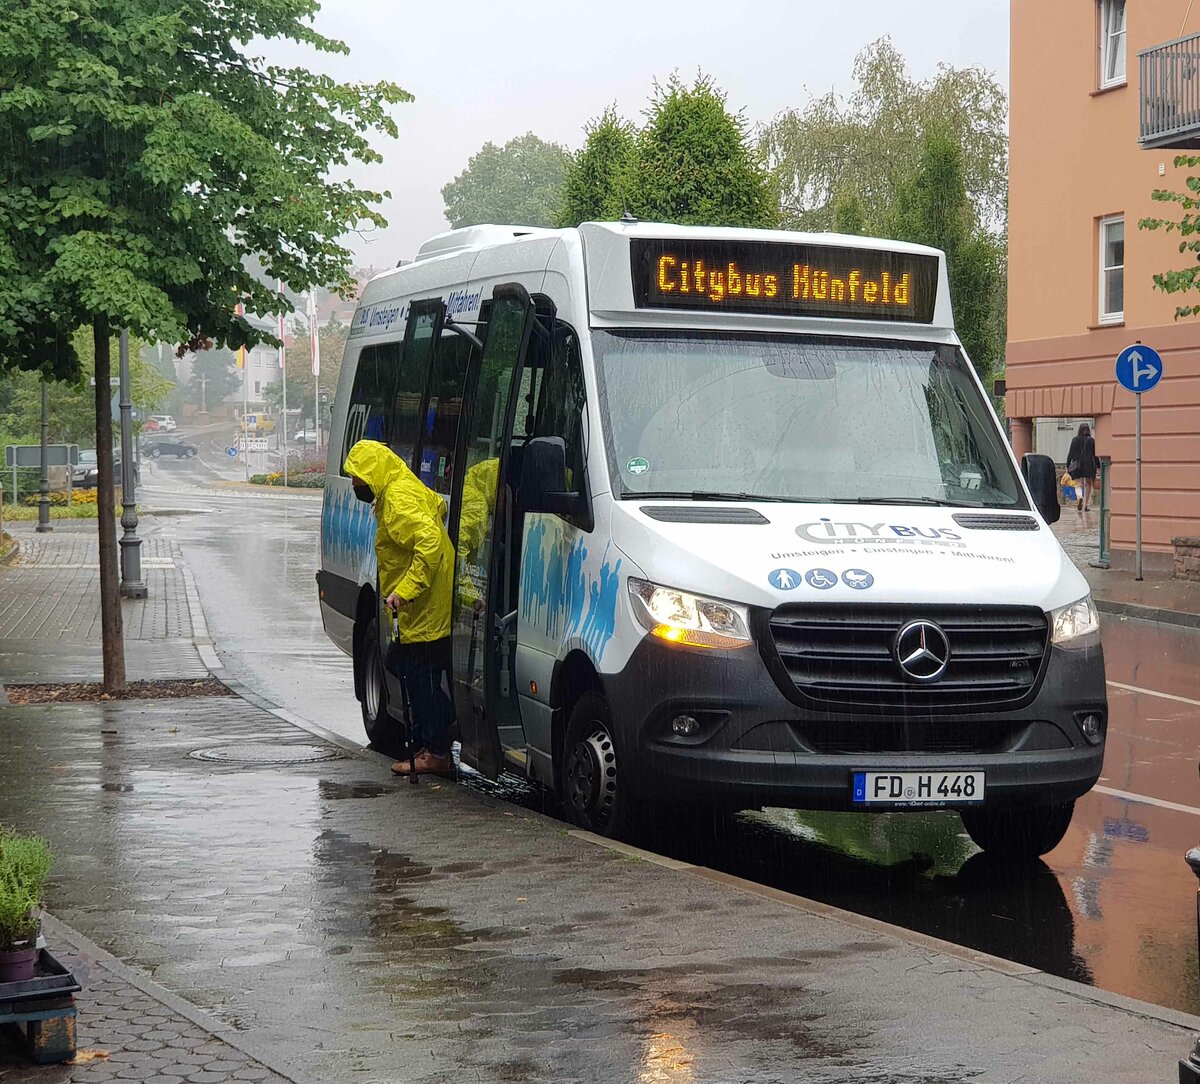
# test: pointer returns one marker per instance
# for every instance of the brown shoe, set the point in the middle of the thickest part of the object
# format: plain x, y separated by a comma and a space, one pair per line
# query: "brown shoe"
404, 767
428, 764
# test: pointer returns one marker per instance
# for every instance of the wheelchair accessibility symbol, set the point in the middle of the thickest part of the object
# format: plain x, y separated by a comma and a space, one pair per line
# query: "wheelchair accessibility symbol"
820, 578
784, 579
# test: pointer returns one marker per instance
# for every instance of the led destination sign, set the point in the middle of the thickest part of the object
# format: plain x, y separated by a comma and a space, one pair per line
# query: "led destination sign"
789, 280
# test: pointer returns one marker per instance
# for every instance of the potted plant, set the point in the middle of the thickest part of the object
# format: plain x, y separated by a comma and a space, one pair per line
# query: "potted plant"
24, 863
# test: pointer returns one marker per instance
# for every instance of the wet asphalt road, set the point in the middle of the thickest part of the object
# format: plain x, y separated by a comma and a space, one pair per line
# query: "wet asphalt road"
1114, 905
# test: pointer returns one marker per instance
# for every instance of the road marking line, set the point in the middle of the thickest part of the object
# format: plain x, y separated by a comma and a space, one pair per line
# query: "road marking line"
1145, 799
1151, 692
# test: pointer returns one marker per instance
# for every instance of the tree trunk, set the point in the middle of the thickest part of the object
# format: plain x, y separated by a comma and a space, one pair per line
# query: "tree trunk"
111, 632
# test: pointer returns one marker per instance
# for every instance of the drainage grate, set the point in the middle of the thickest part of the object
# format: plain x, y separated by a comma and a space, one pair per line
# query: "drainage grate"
260, 753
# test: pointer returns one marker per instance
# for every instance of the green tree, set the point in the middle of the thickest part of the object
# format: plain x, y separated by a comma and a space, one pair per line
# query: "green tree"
870, 142
932, 207
301, 386
214, 376
147, 156
693, 162
1187, 225
594, 190
518, 184
71, 410
849, 214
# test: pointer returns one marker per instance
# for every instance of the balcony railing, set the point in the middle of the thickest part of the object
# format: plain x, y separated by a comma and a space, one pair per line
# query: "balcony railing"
1170, 101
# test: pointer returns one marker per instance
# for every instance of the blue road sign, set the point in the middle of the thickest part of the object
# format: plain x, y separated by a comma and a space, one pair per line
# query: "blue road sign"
231, 452
1139, 368
784, 579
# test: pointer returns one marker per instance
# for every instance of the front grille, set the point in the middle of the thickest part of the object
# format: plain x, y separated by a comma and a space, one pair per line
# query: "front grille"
910, 736
841, 656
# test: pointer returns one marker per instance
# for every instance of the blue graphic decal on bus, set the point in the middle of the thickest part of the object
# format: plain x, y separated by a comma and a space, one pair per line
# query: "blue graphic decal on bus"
347, 528
560, 594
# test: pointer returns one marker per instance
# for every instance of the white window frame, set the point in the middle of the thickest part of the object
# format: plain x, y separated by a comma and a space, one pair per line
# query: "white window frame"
1105, 224
1113, 43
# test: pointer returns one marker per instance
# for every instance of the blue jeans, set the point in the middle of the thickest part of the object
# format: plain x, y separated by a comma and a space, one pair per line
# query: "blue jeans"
420, 667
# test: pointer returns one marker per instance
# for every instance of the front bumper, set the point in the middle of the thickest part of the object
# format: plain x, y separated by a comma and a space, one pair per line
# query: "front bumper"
755, 747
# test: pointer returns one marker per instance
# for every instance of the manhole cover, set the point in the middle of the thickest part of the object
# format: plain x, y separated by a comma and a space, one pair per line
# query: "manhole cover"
259, 753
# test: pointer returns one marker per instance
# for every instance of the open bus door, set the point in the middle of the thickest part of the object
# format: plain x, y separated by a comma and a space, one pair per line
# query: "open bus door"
483, 632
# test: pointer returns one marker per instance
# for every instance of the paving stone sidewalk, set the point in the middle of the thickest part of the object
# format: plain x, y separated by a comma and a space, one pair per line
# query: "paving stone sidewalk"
128, 1030
50, 609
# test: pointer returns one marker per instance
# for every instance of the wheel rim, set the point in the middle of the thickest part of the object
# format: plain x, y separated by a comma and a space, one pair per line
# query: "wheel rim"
592, 777
373, 683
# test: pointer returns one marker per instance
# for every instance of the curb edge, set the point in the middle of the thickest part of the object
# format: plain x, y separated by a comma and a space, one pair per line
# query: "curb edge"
180, 1006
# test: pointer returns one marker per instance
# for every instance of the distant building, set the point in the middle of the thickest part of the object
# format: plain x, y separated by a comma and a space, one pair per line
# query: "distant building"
1102, 99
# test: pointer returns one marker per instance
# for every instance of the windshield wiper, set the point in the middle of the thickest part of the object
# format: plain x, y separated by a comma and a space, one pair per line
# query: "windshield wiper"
706, 495
939, 501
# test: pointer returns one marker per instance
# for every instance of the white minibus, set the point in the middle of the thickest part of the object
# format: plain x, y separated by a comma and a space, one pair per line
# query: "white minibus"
736, 526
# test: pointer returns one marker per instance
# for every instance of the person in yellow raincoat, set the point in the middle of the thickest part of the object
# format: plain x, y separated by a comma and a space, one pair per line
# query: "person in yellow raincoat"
416, 577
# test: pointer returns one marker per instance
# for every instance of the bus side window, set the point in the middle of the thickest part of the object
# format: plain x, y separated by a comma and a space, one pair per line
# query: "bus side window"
370, 398
404, 425
560, 411
447, 380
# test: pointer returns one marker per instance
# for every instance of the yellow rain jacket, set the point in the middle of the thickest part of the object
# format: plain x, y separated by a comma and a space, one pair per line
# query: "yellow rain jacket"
478, 500
414, 554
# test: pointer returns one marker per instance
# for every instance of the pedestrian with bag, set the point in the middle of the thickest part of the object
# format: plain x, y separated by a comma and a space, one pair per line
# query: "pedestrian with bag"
416, 577
1081, 465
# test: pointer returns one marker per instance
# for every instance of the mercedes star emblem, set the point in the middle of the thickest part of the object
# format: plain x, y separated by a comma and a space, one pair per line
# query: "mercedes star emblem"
922, 651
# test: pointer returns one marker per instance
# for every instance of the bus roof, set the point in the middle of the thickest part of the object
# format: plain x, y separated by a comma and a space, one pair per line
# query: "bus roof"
656, 272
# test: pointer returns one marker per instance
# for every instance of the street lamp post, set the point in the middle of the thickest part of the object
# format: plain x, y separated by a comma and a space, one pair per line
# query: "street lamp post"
43, 523
133, 585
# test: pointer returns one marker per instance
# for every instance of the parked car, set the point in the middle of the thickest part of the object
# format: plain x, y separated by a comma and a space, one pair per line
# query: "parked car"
163, 421
180, 449
305, 436
86, 473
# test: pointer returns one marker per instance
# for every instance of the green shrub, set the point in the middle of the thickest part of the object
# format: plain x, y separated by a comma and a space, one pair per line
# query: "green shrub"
258, 479
24, 863
307, 480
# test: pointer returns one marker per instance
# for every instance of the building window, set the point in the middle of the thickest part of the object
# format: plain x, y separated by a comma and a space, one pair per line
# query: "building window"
1112, 270
257, 388
1112, 43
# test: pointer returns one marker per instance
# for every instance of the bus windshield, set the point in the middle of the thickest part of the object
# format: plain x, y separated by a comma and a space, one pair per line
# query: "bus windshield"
709, 415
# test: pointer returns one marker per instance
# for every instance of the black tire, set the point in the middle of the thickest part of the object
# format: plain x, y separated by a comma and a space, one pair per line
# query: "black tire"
383, 732
1018, 834
191, 453
592, 795
155, 453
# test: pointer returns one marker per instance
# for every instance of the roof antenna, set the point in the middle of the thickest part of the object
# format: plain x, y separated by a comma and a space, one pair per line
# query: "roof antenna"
627, 215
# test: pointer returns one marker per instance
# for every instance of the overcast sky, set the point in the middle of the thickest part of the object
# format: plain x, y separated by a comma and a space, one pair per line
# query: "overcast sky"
485, 71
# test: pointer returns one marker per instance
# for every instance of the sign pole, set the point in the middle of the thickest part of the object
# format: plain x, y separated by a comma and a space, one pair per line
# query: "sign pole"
1139, 369
1137, 481
283, 373
43, 524
132, 583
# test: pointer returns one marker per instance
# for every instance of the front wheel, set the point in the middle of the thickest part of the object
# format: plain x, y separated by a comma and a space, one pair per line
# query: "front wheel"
593, 794
1018, 834
155, 453
383, 732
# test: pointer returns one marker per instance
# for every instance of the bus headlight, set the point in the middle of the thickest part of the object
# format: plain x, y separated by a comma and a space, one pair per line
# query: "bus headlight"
1069, 624
691, 620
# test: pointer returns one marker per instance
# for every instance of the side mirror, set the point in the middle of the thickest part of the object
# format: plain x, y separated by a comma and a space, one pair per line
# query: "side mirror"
1042, 480
543, 484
